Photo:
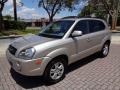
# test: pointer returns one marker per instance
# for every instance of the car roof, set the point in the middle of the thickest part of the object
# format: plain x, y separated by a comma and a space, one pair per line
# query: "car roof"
78, 19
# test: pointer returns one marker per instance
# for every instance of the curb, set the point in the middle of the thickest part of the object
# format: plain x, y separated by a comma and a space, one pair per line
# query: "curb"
12, 36
115, 31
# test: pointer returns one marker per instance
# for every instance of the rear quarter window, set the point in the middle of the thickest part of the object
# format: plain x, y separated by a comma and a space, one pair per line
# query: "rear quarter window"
96, 25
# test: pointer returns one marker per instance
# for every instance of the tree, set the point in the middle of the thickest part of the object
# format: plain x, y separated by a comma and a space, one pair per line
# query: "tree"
52, 7
15, 10
108, 9
112, 8
93, 8
2, 4
86, 11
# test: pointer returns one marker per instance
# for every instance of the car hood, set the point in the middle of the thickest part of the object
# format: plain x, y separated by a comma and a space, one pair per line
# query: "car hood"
29, 41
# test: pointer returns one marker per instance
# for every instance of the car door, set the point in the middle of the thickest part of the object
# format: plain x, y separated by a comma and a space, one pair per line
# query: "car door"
96, 35
81, 42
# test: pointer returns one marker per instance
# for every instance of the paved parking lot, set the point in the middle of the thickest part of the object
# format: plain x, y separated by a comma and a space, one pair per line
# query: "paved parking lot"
91, 73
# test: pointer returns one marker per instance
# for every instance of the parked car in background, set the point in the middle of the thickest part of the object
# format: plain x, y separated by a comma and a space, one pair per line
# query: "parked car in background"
58, 45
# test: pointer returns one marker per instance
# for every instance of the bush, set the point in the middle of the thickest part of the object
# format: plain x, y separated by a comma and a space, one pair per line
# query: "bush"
14, 25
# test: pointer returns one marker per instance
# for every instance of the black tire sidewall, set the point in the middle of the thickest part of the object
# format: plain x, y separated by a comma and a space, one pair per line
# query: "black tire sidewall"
48, 68
103, 50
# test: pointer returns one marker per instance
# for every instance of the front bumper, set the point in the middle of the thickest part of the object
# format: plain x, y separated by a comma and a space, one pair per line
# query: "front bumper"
27, 67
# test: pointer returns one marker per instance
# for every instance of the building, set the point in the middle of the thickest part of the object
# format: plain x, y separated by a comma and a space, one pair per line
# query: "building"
37, 22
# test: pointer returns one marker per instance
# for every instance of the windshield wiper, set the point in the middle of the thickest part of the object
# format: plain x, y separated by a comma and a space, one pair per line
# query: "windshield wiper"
49, 36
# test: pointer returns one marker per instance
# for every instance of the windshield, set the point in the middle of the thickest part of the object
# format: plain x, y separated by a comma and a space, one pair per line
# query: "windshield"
56, 29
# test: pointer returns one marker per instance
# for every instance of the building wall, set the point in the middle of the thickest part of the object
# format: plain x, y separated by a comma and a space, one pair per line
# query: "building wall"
37, 22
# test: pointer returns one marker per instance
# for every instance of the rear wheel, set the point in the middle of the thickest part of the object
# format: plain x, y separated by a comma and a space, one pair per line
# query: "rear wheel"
55, 70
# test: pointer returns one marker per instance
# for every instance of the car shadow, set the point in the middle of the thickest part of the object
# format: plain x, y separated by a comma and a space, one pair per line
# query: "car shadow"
83, 62
32, 82
25, 81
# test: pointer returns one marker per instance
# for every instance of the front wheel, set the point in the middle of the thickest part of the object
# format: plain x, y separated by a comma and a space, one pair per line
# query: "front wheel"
55, 70
105, 50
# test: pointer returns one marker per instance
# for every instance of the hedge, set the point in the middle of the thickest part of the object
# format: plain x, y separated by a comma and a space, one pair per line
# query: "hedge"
14, 25
118, 21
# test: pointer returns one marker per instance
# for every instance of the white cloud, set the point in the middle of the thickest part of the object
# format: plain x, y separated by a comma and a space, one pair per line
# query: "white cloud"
27, 13
32, 13
24, 12
10, 2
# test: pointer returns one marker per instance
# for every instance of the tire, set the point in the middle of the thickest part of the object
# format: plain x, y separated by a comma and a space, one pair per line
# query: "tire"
55, 71
105, 50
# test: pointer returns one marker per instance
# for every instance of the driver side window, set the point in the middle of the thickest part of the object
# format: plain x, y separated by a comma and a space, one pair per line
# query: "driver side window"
82, 26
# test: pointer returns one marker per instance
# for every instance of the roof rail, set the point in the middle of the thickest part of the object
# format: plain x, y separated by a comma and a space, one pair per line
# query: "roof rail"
70, 17
76, 17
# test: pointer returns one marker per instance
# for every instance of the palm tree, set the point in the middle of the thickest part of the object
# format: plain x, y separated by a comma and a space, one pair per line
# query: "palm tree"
2, 4
15, 10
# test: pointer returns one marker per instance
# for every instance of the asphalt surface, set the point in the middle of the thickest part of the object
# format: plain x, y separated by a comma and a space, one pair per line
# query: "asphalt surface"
91, 73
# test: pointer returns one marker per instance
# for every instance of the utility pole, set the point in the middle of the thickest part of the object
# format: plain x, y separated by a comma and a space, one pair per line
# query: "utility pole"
15, 10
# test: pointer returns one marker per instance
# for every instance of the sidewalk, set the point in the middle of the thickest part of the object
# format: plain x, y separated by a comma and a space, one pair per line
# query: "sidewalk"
11, 36
91, 73
115, 40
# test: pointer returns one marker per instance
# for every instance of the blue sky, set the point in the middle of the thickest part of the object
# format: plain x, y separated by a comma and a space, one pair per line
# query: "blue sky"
30, 10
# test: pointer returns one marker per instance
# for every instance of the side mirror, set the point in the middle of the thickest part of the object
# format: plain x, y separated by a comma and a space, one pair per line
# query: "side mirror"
76, 33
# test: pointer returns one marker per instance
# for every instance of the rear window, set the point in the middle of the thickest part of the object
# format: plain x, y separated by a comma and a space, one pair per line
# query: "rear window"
96, 25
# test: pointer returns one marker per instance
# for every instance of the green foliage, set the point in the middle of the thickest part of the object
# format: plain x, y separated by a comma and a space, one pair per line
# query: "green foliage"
14, 25
70, 4
7, 17
19, 32
86, 11
93, 7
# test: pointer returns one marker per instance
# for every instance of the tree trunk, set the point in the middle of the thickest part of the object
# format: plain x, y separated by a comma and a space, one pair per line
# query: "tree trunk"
114, 22
1, 22
50, 19
15, 10
108, 19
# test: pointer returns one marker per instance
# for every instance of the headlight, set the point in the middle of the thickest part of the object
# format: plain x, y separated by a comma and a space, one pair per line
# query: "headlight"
27, 53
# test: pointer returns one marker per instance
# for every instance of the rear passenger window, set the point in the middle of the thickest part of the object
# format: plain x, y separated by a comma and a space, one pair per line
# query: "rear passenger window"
82, 26
95, 25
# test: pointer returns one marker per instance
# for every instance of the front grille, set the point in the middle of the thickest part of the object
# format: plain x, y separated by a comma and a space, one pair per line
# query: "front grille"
12, 50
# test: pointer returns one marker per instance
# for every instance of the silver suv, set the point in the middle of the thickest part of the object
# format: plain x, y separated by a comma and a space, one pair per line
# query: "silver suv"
58, 45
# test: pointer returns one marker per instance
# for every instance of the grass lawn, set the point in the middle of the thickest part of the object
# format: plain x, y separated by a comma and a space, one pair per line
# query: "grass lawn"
19, 32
